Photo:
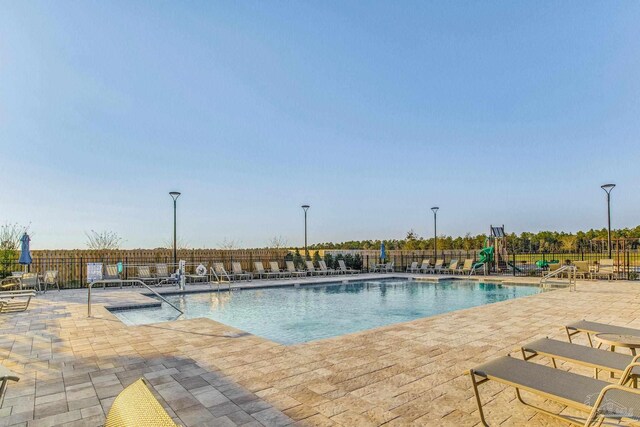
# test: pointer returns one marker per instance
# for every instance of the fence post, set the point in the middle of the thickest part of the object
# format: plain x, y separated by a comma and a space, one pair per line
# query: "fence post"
513, 263
81, 273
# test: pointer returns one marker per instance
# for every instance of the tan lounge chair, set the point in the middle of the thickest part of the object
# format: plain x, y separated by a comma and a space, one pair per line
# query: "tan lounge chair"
239, 273
599, 360
312, 270
261, 272
566, 388
606, 268
592, 328
275, 268
137, 406
6, 376
346, 270
219, 273
145, 276
291, 268
14, 301
452, 268
466, 267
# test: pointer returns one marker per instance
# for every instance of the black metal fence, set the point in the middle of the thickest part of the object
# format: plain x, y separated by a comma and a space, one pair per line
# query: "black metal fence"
72, 272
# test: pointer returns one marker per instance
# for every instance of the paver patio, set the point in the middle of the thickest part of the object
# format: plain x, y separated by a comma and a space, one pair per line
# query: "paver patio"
207, 373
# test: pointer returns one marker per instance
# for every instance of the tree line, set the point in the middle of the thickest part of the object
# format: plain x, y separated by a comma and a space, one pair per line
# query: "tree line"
543, 241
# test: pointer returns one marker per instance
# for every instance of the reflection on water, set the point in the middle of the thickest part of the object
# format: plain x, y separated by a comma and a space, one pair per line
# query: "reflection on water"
293, 315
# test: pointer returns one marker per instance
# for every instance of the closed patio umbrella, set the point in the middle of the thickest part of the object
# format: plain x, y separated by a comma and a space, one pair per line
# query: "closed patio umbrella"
383, 253
25, 254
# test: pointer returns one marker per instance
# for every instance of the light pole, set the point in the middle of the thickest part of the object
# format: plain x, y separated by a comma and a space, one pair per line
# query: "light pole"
174, 195
607, 189
435, 231
306, 252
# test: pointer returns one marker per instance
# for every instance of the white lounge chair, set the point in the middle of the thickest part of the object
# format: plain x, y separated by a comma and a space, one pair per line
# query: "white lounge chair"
275, 268
291, 268
437, 267
261, 272
323, 268
50, 279
425, 266
239, 273
466, 267
312, 270
343, 268
413, 268
219, 273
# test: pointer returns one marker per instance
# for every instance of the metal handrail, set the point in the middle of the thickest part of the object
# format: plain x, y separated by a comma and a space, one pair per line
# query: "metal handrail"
571, 276
132, 281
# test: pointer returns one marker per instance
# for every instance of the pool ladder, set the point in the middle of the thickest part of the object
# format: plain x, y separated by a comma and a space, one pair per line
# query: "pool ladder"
571, 275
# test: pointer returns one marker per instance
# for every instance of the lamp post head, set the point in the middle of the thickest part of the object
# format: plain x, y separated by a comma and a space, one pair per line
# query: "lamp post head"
174, 195
607, 187
305, 207
435, 209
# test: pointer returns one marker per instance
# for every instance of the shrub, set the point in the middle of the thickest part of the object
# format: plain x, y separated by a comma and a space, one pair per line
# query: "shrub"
328, 259
297, 259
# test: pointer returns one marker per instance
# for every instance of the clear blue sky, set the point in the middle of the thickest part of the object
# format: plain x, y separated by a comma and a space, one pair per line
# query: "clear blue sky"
372, 112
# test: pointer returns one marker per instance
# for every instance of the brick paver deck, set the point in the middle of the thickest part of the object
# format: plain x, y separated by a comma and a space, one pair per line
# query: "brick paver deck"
206, 373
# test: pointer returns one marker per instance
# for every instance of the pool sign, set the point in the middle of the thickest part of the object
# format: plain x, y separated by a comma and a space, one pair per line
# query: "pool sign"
94, 271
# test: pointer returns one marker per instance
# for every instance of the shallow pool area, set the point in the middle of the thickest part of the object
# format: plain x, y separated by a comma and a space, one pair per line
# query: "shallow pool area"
291, 315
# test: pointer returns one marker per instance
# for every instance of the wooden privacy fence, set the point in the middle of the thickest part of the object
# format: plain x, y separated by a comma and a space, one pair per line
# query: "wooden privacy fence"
71, 264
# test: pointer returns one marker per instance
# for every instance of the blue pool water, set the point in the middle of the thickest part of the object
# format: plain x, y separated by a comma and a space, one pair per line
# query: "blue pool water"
291, 315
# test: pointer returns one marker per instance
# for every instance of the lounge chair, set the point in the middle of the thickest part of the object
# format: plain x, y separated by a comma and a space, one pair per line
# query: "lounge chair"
30, 281
239, 273
592, 328
260, 271
163, 275
466, 267
413, 268
600, 360
14, 301
606, 268
145, 276
312, 270
137, 406
388, 267
275, 268
452, 268
582, 269
343, 268
323, 268
6, 376
425, 266
291, 268
437, 267
50, 279
599, 398
219, 273
111, 272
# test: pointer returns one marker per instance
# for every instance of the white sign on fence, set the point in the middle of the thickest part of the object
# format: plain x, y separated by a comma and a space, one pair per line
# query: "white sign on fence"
94, 271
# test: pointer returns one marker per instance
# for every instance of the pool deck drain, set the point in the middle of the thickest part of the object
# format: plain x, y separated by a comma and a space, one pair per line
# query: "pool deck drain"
207, 373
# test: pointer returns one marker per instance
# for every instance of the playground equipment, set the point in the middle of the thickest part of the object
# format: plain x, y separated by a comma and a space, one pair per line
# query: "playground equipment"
493, 257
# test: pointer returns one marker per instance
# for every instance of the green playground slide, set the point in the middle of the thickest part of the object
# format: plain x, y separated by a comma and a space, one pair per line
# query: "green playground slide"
485, 256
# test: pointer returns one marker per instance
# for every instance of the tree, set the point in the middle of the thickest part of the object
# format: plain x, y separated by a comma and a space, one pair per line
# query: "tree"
328, 259
277, 242
10, 235
103, 240
297, 259
316, 257
228, 245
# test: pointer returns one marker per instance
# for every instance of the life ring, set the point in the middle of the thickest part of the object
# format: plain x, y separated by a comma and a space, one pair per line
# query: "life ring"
201, 270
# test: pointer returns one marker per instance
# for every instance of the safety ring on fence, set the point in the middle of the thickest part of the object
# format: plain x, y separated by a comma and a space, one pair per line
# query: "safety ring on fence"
201, 270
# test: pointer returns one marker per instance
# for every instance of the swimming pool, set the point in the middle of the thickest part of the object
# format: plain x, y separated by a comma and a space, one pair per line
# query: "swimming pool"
291, 315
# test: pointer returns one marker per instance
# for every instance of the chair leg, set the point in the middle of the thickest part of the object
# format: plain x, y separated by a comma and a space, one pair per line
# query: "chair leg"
477, 395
